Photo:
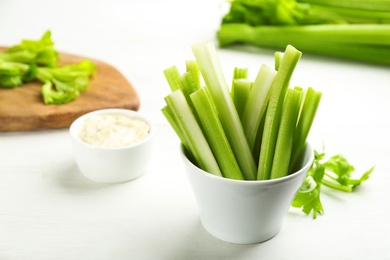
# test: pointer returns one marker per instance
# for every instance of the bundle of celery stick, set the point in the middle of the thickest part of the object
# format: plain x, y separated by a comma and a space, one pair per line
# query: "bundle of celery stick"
350, 29
252, 130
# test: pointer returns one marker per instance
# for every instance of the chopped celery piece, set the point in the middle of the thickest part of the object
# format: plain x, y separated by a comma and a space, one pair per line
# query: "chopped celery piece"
240, 93
213, 76
283, 148
278, 59
168, 114
279, 87
188, 86
308, 112
241, 86
215, 134
172, 75
257, 103
240, 73
197, 143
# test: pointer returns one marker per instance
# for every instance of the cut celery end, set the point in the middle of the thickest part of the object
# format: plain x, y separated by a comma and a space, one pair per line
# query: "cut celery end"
192, 66
172, 76
240, 93
283, 148
188, 86
197, 142
279, 87
213, 76
215, 134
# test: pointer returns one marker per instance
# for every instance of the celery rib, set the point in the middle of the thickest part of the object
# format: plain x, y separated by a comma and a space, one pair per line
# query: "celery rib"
284, 143
310, 105
172, 76
197, 142
272, 120
240, 92
213, 76
215, 134
257, 103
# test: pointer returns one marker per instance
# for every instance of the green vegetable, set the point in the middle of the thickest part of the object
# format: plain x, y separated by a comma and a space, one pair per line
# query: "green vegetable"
358, 30
64, 84
284, 142
240, 93
40, 52
208, 61
257, 103
215, 134
37, 59
334, 173
279, 87
273, 129
194, 138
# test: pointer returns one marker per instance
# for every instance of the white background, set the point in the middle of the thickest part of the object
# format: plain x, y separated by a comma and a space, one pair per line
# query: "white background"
48, 210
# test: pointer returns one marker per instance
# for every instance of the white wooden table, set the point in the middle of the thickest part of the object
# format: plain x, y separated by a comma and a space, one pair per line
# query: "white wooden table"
48, 210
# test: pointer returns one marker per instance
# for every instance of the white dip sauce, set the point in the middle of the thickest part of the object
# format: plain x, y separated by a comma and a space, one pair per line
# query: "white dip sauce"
113, 130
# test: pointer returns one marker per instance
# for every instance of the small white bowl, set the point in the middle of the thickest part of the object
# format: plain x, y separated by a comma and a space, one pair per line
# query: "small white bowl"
112, 164
244, 212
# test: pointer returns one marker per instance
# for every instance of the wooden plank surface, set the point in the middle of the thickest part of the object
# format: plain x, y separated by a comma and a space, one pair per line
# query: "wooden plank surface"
22, 108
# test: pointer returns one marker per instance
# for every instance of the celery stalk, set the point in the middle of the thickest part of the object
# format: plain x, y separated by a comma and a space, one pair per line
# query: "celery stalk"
240, 93
213, 76
362, 42
188, 86
240, 73
284, 143
168, 114
241, 86
257, 103
308, 112
215, 134
279, 87
172, 75
192, 66
197, 143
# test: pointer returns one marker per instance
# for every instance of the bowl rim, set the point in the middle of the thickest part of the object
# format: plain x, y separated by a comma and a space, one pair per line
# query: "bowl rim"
304, 168
78, 121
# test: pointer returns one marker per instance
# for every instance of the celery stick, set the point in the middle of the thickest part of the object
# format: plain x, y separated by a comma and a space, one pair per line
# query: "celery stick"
172, 76
188, 86
257, 103
240, 93
196, 141
279, 87
283, 148
308, 112
177, 127
240, 73
278, 59
215, 134
213, 76
192, 66
168, 114
239, 90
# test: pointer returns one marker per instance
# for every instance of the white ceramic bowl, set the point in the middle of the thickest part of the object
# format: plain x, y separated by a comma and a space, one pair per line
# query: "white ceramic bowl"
244, 212
112, 164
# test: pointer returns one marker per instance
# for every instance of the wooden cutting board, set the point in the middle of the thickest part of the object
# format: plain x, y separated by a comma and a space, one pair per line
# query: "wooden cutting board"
22, 108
